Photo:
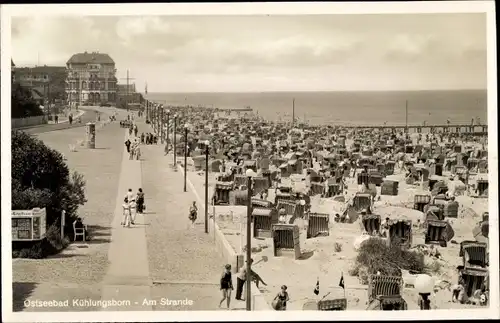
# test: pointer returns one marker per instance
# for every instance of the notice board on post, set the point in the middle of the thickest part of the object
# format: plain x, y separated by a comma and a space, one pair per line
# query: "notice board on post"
29, 225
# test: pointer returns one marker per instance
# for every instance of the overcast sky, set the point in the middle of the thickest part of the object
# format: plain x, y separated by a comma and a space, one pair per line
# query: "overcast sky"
269, 53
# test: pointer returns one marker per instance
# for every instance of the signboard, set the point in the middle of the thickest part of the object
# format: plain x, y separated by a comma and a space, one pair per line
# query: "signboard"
29, 225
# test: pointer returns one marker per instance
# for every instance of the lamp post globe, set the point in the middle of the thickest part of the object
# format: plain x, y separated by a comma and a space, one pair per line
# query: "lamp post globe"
250, 173
424, 284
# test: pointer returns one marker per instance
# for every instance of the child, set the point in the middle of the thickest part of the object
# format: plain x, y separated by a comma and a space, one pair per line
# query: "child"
126, 213
281, 299
226, 285
193, 210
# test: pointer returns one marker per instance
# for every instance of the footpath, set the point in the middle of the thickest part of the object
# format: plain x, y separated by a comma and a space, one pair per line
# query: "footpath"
127, 278
185, 263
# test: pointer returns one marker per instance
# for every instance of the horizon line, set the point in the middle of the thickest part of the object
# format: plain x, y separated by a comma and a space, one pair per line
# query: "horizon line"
315, 91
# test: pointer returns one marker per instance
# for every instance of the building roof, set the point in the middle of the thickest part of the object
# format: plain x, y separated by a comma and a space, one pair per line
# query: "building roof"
89, 58
41, 69
12, 63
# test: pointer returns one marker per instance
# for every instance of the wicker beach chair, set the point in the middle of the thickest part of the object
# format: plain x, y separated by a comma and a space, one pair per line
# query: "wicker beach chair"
474, 254
318, 225
263, 219
384, 293
438, 232
371, 223
289, 206
420, 201
400, 232
362, 201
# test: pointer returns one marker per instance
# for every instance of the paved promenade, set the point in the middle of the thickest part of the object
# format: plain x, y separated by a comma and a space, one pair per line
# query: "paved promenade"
160, 263
127, 278
184, 261
78, 271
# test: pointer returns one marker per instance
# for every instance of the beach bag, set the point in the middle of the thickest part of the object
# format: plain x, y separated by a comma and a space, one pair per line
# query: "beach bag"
277, 304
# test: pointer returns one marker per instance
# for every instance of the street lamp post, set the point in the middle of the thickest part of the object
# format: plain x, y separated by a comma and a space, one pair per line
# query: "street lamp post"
207, 144
161, 125
424, 285
175, 140
250, 174
186, 127
168, 128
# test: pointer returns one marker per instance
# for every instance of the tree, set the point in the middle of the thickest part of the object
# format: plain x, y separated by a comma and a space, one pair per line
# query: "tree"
22, 103
41, 178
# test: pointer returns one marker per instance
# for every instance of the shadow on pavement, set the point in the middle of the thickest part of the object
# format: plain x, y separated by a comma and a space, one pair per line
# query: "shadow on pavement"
21, 292
62, 256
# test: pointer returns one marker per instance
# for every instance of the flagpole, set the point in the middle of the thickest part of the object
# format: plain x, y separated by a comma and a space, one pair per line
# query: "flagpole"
342, 277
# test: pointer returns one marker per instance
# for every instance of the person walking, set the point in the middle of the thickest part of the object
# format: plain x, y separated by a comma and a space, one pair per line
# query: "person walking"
133, 210
126, 213
226, 285
127, 144
140, 201
280, 299
193, 213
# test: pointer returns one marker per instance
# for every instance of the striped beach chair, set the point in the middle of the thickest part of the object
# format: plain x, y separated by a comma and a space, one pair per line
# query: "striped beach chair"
318, 225
289, 206
317, 189
474, 254
473, 279
419, 202
258, 203
436, 232
362, 201
371, 223
384, 293
280, 196
400, 232
337, 304
221, 192
433, 212
263, 219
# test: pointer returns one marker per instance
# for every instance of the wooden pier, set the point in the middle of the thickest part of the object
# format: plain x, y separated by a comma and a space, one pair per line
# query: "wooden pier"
447, 128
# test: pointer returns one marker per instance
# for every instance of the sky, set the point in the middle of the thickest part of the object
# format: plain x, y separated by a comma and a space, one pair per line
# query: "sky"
378, 52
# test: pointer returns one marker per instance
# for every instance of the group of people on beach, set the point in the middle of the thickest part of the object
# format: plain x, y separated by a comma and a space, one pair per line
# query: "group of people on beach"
226, 286
133, 149
149, 138
132, 204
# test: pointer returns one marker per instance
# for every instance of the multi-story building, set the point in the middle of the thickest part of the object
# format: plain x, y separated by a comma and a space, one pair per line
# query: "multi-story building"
91, 79
49, 80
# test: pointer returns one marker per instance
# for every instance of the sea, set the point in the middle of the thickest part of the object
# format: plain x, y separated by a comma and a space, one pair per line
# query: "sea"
347, 108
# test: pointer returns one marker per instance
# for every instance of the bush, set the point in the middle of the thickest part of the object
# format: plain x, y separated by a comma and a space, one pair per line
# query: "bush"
338, 247
41, 178
52, 244
376, 256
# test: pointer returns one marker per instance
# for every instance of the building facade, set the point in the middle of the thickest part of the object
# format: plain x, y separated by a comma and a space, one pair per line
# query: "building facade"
91, 79
49, 80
